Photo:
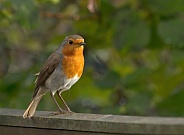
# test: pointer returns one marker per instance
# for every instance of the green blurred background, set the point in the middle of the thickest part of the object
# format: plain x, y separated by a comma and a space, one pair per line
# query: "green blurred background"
134, 58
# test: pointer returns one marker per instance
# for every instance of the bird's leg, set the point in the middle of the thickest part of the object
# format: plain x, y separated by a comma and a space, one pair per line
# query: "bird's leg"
59, 94
61, 110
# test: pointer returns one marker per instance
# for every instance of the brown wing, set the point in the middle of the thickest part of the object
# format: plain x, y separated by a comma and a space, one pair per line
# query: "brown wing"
50, 65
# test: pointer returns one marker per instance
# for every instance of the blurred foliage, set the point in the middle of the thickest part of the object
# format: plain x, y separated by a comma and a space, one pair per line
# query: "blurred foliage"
134, 54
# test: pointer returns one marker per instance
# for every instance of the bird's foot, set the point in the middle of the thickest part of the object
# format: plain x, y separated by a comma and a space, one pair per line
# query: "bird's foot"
69, 111
63, 112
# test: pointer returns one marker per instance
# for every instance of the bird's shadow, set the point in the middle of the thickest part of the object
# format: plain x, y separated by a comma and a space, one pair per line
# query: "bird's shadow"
52, 114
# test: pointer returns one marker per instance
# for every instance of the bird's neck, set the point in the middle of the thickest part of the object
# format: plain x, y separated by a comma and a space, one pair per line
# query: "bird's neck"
77, 51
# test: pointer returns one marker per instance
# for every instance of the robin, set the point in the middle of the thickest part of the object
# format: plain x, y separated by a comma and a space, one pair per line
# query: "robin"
62, 69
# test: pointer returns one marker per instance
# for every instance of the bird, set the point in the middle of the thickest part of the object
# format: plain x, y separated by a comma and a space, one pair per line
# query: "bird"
62, 69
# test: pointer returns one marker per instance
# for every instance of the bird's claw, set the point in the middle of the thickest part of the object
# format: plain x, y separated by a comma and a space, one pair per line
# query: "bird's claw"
62, 112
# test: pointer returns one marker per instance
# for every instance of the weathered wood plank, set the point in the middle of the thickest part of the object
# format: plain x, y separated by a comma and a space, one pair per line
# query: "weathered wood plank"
90, 123
37, 131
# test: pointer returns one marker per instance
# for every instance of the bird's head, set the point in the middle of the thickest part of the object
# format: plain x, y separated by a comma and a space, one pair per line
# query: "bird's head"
73, 45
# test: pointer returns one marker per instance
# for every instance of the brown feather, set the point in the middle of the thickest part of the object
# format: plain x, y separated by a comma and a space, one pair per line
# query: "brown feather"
50, 65
32, 108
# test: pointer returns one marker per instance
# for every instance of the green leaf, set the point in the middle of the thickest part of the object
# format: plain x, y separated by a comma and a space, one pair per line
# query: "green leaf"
26, 13
130, 31
166, 7
173, 105
172, 31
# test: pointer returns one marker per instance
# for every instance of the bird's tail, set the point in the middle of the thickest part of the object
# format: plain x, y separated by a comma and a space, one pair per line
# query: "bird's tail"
32, 107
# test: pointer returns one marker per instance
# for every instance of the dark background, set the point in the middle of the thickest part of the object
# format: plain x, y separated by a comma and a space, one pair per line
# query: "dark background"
134, 54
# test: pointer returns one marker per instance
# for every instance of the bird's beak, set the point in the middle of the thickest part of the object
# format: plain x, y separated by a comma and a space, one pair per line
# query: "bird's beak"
82, 43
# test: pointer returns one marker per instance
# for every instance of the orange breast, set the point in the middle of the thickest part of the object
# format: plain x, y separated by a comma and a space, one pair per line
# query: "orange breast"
73, 65
73, 60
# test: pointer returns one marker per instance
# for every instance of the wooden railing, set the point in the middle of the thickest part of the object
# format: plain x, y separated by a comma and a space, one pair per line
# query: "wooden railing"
12, 123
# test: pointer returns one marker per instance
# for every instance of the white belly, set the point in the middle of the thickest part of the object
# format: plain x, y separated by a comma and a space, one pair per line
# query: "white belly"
58, 82
69, 82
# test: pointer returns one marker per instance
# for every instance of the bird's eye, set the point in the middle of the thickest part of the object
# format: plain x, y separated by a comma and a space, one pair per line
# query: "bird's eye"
70, 42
